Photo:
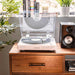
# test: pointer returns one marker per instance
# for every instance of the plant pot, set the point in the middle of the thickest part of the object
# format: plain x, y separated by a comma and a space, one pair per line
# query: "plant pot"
64, 11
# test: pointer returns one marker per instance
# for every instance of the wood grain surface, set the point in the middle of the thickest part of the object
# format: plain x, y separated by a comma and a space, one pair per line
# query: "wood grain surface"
39, 63
53, 64
57, 49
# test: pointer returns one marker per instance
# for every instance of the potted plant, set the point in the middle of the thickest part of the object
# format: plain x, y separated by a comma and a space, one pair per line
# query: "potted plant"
9, 8
6, 28
65, 6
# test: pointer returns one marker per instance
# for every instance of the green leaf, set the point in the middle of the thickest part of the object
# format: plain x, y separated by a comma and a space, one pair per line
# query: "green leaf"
11, 6
14, 41
64, 3
2, 21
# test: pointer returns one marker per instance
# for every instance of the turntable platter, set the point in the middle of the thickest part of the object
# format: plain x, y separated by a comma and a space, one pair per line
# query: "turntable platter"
35, 40
37, 44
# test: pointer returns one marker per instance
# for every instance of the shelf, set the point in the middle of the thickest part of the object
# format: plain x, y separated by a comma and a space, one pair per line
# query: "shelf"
57, 48
69, 73
69, 59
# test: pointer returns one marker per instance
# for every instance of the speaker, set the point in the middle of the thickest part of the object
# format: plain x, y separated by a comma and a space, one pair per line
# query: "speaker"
67, 35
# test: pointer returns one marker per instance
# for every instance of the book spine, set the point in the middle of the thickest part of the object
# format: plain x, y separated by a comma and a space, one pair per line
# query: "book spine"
24, 7
27, 8
72, 70
29, 14
37, 8
32, 8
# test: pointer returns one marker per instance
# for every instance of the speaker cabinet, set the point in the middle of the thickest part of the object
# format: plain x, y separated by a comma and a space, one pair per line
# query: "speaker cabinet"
67, 35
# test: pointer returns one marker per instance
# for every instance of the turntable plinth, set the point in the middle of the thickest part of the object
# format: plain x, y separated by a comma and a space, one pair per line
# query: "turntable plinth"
31, 63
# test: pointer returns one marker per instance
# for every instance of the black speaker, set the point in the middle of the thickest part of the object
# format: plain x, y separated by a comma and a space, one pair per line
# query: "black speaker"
67, 35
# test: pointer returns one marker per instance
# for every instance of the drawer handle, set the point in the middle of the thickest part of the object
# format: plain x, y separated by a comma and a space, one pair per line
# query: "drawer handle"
37, 64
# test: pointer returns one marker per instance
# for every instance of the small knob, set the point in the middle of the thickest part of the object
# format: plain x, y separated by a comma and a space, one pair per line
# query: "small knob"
69, 29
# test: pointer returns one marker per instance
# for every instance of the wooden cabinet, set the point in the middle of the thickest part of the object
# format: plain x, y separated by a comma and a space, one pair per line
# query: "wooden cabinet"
39, 63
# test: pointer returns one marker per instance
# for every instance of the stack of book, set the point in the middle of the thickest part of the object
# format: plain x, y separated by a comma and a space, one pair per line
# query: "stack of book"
30, 7
71, 66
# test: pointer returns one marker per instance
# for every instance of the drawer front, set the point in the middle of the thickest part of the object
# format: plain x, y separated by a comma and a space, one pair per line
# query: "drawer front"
52, 64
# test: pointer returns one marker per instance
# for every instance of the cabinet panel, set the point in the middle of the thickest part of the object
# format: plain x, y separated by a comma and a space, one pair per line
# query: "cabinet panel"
51, 64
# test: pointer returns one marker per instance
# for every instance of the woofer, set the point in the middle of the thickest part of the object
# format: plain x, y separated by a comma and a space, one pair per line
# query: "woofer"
68, 41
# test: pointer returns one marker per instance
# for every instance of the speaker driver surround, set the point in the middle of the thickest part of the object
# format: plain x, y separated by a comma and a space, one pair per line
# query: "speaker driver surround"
68, 40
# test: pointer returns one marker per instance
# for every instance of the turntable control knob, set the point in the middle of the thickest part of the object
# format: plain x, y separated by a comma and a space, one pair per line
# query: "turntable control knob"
69, 29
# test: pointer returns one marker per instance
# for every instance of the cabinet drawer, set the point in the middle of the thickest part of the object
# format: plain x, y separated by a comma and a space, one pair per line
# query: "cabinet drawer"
52, 64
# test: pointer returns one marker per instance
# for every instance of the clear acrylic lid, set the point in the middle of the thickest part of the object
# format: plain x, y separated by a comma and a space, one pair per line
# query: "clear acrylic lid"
36, 18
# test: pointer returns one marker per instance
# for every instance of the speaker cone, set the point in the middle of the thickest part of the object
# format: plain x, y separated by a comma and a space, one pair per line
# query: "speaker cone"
68, 40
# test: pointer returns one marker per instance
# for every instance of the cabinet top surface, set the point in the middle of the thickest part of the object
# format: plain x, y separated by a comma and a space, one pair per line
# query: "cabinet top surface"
57, 48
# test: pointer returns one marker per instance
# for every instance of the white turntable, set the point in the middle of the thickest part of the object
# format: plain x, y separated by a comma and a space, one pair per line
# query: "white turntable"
36, 38
36, 43
37, 31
